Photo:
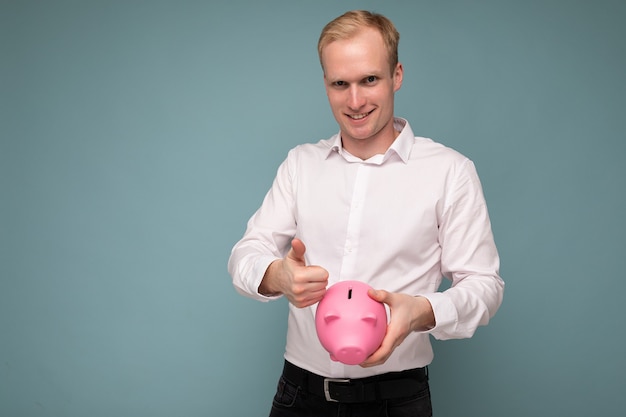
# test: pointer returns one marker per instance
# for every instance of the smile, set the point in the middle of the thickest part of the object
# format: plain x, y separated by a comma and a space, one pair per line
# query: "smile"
359, 116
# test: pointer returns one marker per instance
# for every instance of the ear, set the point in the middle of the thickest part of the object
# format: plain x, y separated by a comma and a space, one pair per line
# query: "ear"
370, 319
398, 75
330, 317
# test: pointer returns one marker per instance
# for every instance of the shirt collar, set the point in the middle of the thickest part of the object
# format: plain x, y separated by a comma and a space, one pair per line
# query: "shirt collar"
401, 146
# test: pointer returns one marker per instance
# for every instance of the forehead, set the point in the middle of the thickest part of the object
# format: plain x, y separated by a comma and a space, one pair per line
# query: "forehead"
355, 57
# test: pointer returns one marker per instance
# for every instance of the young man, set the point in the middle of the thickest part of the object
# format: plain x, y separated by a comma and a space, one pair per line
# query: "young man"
373, 203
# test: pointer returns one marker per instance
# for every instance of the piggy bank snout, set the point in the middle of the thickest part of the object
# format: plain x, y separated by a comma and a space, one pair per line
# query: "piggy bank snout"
350, 355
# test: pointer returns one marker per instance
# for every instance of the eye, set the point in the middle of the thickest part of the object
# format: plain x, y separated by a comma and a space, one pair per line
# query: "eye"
339, 83
371, 79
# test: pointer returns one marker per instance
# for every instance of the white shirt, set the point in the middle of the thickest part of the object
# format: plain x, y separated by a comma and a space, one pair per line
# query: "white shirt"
399, 221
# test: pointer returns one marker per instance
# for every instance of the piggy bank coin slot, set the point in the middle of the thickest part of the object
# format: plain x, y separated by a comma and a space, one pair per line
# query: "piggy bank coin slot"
350, 294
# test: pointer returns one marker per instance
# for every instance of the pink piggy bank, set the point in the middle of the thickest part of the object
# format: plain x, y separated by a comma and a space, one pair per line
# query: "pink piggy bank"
349, 324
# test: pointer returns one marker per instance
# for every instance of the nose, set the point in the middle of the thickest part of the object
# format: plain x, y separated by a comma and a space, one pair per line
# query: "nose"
351, 355
356, 98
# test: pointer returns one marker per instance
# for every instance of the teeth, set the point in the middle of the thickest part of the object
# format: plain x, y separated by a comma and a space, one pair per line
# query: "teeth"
358, 116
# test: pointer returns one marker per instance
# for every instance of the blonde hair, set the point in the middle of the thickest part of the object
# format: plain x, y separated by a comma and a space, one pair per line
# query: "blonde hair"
350, 23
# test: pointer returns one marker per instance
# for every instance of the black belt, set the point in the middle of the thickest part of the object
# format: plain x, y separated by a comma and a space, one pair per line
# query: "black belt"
374, 388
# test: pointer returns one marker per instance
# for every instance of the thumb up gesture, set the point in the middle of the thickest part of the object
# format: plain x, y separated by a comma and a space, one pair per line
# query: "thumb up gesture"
302, 284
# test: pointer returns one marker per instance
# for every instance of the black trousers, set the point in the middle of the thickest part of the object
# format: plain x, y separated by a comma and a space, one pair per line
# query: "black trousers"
399, 394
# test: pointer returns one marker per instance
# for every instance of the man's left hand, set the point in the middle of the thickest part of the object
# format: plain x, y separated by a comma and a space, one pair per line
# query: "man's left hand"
408, 314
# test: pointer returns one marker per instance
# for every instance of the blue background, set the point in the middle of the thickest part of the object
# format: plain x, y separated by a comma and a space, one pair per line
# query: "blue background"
137, 137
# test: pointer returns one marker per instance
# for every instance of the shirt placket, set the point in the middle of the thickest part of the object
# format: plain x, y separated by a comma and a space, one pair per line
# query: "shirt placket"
355, 219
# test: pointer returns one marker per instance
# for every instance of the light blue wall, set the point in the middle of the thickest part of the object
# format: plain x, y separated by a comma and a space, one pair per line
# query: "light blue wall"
137, 137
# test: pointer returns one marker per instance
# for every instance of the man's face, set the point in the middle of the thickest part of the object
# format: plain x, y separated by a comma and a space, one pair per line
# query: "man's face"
360, 89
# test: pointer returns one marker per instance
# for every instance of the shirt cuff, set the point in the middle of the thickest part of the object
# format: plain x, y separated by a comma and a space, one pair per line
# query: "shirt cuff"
259, 267
446, 316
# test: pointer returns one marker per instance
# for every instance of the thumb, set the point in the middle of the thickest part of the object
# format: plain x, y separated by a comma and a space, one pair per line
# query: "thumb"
297, 250
378, 295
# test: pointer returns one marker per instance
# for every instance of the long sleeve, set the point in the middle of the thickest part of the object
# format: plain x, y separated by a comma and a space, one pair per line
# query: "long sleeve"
469, 258
267, 238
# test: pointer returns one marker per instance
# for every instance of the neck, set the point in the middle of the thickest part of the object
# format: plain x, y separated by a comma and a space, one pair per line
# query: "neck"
366, 148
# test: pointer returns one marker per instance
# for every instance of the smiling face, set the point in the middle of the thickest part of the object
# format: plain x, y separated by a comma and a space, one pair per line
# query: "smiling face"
360, 89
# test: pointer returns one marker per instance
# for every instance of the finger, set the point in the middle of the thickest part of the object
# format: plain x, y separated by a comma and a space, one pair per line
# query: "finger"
381, 296
380, 356
297, 250
317, 275
377, 358
310, 298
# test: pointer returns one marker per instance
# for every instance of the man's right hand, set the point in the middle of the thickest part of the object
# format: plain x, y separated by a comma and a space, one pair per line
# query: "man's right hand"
302, 285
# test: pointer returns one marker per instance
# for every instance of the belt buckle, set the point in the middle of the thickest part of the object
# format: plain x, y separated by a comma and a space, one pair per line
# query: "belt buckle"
327, 381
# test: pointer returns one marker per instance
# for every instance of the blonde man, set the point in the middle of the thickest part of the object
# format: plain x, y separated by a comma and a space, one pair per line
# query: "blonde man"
377, 204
